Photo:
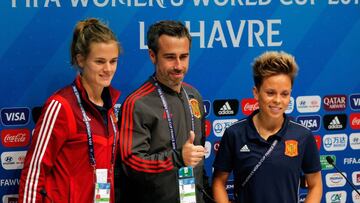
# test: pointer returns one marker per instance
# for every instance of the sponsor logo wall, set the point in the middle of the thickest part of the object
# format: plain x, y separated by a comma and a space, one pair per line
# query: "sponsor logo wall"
334, 126
226, 36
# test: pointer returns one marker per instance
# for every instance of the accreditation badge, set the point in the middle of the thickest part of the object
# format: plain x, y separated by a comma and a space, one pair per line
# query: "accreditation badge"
195, 108
187, 185
102, 187
291, 148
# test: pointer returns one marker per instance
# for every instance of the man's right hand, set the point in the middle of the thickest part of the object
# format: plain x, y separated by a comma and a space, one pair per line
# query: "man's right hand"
192, 154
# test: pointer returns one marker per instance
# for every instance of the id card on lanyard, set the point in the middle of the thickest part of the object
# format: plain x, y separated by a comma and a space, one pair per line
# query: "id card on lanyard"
185, 174
187, 185
101, 186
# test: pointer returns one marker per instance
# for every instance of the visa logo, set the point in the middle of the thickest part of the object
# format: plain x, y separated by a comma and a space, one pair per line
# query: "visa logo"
311, 122
15, 116
355, 101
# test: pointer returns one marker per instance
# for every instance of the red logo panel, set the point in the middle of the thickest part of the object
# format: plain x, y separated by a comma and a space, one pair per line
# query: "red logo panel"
207, 128
318, 141
15, 137
249, 105
355, 121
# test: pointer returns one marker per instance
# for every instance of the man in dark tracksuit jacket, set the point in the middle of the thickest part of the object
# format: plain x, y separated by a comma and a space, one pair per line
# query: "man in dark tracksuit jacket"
150, 155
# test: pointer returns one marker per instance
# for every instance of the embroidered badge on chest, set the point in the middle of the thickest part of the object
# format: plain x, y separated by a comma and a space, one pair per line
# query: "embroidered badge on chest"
291, 148
195, 108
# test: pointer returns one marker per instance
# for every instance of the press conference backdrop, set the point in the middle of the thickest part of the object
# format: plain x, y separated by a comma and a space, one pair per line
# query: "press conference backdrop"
323, 35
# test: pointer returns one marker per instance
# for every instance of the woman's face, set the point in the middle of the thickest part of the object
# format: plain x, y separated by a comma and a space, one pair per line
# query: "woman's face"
99, 67
273, 96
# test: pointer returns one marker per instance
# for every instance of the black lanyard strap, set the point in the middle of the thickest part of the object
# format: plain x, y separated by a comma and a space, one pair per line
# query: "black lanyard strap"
89, 134
168, 115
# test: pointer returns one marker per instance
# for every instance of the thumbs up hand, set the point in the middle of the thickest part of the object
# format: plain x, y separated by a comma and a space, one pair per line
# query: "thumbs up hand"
192, 154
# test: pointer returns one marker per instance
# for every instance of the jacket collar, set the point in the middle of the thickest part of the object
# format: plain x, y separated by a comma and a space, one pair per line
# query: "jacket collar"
111, 93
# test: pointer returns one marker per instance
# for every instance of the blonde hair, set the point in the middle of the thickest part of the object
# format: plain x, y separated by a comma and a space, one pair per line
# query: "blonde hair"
274, 63
86, 32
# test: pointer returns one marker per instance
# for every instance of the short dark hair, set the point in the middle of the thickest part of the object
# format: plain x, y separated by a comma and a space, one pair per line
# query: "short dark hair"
86, 32
165, 27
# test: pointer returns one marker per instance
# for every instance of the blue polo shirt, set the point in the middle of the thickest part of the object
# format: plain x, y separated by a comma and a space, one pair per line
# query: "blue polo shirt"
278, 178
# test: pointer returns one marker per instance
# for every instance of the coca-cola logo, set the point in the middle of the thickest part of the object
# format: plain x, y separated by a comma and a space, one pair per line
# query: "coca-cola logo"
15, 137
21, 137
249, 105
355, 121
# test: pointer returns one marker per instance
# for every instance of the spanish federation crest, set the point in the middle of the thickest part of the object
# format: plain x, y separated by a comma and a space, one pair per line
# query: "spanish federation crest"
291, 148
195, 107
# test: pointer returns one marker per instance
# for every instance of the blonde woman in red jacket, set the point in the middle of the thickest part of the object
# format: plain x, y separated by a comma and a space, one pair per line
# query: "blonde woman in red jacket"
71, 156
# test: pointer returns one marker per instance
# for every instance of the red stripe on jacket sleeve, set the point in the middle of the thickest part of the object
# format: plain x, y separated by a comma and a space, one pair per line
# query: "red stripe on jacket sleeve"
135, 162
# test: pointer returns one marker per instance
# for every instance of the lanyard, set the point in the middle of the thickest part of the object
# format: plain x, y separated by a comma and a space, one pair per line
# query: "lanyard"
89, 134
260, 162
167, 111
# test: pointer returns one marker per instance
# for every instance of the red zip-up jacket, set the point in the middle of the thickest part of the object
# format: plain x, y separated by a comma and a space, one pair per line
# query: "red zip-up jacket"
57, 162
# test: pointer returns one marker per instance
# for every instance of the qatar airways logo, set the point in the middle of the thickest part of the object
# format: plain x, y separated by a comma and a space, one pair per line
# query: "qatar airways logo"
334, 102
15, 137
355, 121
308, 104
249, 105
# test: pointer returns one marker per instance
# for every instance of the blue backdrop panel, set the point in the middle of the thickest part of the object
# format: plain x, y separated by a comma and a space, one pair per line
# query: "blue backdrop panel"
323, 35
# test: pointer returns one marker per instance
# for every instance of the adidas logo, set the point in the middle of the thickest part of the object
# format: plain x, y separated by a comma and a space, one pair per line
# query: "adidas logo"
335, 124
245, 148
226, 109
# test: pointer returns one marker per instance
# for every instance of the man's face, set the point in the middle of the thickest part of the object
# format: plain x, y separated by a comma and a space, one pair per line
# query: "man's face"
172, 60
